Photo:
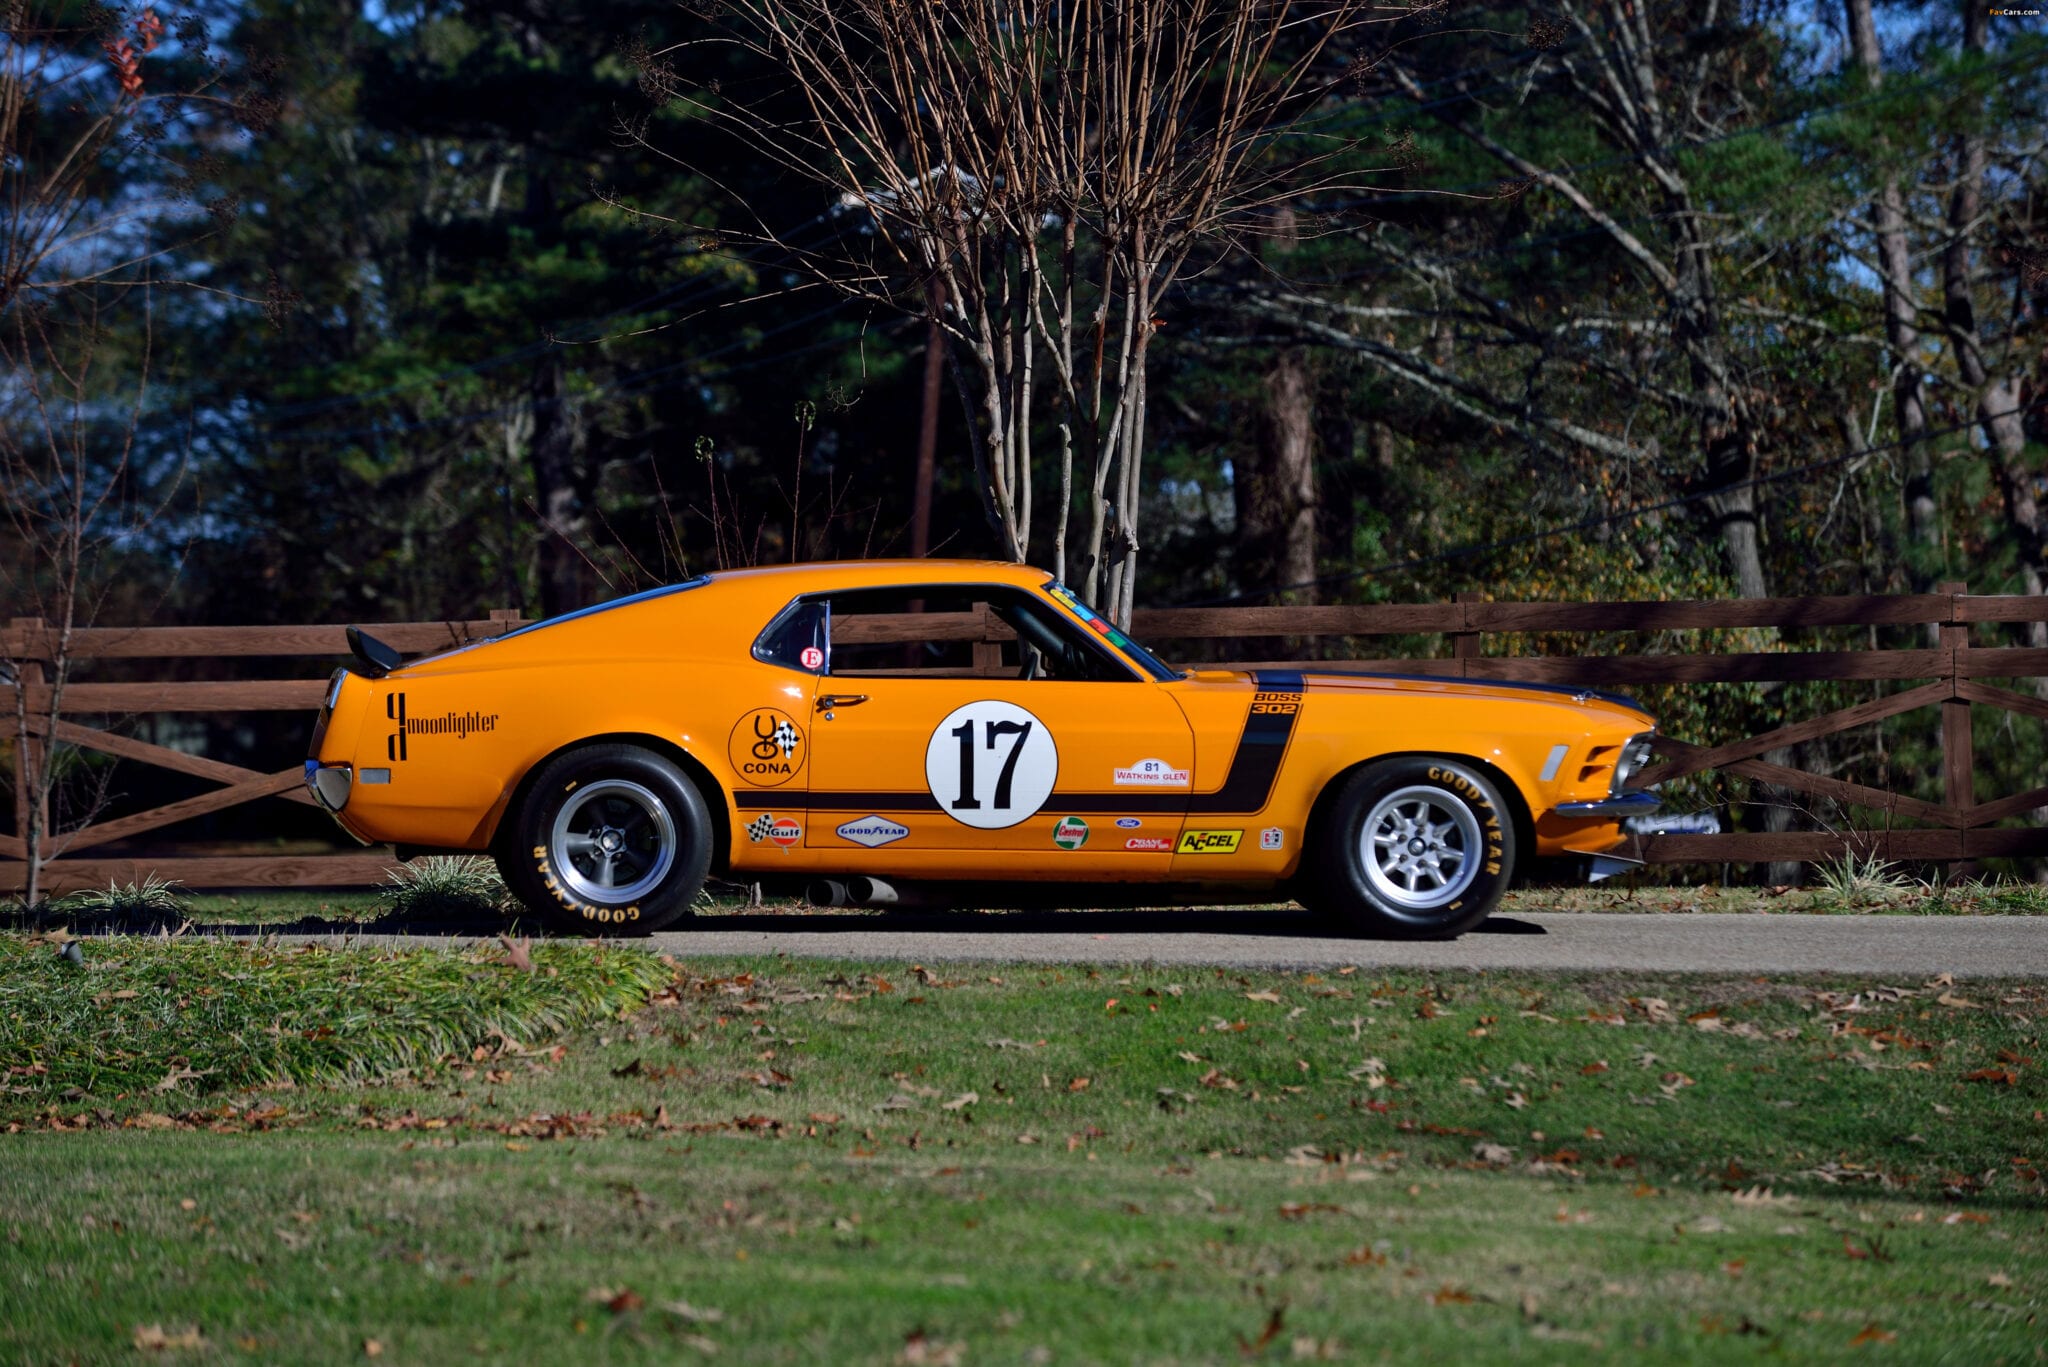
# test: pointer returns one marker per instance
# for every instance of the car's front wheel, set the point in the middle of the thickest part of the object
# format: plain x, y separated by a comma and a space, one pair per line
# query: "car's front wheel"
608, 840
1413, 847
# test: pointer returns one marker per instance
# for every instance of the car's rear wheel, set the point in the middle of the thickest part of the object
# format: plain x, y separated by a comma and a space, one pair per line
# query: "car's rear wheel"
608, 840
1415, 847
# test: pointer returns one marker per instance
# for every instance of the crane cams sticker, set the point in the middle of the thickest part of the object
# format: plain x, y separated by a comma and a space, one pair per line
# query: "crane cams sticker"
766, 748
991, 765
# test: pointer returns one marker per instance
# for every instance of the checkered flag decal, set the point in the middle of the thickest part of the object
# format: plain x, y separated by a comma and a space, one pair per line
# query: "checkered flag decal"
758, 828
785, 737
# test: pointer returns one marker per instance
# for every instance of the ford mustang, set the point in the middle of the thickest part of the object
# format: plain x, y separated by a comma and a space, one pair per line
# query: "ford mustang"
961, 732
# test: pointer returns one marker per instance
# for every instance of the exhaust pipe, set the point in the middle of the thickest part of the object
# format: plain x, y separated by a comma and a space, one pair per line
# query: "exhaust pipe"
827, 892
870, 892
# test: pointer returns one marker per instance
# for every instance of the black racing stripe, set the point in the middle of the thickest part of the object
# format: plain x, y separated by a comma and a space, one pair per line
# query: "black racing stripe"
1113, 804
1253, 768
1259, 752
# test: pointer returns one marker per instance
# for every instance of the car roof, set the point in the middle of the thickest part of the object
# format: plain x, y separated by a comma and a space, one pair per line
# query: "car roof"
818, 576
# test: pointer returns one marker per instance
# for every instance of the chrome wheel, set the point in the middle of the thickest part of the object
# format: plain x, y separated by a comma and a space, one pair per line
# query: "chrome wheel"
613, 841
1420, 847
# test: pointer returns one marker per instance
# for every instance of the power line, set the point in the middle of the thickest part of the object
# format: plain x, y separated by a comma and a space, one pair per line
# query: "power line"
1590, 523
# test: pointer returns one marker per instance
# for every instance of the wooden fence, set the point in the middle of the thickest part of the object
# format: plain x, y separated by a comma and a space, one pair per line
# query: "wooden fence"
1949, 673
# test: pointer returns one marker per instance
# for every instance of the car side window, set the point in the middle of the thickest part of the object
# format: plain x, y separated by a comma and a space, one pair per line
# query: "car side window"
797, 638
961, 631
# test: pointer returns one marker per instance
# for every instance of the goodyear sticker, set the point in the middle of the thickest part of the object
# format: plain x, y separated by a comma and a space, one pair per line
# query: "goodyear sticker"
1208, 842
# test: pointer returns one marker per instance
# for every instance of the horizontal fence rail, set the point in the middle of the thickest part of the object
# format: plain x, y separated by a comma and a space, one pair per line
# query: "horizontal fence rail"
1948, 668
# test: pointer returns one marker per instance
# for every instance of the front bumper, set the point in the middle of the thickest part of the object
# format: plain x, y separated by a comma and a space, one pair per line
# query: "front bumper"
1622, 805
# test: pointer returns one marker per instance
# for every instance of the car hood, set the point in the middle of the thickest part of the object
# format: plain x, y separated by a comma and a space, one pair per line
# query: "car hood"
1614, 704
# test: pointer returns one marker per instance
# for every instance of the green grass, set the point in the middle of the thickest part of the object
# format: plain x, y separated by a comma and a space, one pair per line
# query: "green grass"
177, 1017
809, 1161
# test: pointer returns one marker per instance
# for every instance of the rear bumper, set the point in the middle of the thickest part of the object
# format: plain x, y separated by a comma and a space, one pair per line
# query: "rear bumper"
330, 784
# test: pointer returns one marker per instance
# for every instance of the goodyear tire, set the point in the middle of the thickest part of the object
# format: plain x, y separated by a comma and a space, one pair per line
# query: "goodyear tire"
1412, 848
608, 840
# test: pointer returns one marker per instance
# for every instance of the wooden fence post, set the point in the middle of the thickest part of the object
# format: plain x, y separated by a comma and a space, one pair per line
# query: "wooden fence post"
32, 635
1465, 644
1958, 747
505, 618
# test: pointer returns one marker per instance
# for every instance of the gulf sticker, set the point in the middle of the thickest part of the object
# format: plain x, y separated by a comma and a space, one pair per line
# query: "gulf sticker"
766, 748
1208, 842
779, 830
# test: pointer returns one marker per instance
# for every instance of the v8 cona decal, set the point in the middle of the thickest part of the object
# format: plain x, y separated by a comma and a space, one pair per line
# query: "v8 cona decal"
766, 748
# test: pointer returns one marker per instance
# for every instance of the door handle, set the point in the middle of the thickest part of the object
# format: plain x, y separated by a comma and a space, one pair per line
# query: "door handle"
828, 701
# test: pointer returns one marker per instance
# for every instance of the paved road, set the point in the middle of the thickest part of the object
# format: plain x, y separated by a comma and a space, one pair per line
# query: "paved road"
1899, 948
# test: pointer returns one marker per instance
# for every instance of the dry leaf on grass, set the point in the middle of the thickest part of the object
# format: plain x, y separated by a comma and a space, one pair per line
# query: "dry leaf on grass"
1870, 1333
154, 1338
516, 952
964, 1099
1251, 1348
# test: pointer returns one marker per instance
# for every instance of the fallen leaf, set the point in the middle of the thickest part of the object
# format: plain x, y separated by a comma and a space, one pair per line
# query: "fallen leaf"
1872, 1334
1266, 1336
964, 1099
1951, 999
374, 1348
683, 1310
154, 1338
2003, 1076
516, 952
1079, 1084
1450, 1295
1999, 1279
1598, 1065
1262, 996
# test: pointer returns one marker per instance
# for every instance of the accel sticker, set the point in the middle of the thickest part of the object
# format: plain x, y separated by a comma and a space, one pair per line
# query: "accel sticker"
1208, 842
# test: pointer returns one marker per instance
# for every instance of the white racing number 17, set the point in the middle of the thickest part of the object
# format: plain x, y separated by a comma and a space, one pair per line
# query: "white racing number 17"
991, 764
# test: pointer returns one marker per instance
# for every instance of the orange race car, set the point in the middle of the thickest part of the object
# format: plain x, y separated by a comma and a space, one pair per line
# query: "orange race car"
959, 732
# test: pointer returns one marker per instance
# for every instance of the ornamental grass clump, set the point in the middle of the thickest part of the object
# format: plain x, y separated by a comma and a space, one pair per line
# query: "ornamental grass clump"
446, 885
152, 897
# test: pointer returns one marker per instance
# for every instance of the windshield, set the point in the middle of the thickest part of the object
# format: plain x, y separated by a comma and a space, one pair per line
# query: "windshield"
1151, 663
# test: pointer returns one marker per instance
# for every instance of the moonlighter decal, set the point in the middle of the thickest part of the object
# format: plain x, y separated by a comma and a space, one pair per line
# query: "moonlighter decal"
871, 831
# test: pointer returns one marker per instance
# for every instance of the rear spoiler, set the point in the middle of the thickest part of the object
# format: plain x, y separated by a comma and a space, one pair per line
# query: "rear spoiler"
376, 658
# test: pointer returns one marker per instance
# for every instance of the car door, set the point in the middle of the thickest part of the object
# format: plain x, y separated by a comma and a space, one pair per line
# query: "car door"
941, 726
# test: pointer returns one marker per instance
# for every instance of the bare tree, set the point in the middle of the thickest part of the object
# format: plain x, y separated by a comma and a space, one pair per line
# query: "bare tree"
1053, 168
81, 244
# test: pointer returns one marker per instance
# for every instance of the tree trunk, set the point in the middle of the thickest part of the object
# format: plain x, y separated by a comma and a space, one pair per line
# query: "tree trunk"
1900, 307
562, 489
1276, 491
